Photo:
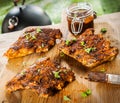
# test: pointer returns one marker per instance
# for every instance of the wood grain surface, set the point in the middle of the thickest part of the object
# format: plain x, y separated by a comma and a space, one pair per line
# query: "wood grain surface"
101, 92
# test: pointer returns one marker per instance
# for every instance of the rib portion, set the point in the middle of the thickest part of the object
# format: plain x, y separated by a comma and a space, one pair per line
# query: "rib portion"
89, 49
44, 77
34, 40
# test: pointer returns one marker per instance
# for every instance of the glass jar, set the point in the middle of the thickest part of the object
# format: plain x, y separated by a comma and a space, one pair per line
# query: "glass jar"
80, 17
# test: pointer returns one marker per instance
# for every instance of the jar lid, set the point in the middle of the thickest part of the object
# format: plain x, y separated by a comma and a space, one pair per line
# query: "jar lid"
79, 10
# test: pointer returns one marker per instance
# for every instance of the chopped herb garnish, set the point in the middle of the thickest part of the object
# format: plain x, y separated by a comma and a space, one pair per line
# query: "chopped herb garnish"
86, 93
66, 98
38, 30
27, 36
67, 42
88, 50
56, 74
33, 37
83, 94
74, 39
30, 37
94, 48
103, 70
62, 54
65, 71
103, 30
22, 73
83, 43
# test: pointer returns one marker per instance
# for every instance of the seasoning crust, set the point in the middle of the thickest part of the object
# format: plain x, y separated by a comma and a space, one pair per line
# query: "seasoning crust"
34, 40
89, 49
44, 77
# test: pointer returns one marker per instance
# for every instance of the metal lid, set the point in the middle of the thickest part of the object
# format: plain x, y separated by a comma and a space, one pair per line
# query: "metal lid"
79, 10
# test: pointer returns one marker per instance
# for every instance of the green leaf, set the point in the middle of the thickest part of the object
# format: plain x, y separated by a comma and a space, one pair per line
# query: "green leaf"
74, 39
103, 30
56, 74
30, 37
27, 36
67, 42
22, 73
94, 48
62, 54
88, 50
66, 98
83, 43
88, 92
33, 37
38, 30
83, 94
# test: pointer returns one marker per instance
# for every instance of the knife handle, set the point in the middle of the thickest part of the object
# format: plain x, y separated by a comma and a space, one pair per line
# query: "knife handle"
97, 76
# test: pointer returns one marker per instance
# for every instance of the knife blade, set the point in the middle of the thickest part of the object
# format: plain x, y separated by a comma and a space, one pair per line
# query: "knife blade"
104, 77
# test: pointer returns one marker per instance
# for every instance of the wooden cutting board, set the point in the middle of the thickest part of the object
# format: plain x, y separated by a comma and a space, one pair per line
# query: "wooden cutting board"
101, 92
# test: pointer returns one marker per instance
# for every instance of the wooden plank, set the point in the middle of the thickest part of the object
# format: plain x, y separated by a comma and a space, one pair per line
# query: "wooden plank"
101, 92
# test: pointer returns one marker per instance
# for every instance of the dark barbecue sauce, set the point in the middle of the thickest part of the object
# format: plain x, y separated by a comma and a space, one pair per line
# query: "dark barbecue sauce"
80, 14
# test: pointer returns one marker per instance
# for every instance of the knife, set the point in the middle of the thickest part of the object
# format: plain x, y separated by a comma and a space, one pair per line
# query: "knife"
104, 77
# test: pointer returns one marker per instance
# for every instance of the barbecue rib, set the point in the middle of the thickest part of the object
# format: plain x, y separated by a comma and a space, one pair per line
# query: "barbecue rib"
89, 49
34, 40
44, 77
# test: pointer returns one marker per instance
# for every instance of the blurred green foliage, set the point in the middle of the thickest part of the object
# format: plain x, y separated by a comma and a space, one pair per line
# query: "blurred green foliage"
54, 8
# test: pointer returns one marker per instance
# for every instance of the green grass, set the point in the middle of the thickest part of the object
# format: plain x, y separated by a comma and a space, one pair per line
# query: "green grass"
110, 6
54, 8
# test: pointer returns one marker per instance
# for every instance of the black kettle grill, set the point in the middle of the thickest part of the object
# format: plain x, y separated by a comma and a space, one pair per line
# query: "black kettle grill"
22, 16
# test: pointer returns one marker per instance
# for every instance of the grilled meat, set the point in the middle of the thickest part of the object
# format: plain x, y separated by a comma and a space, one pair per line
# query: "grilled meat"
89, 49
34, 40
44, 77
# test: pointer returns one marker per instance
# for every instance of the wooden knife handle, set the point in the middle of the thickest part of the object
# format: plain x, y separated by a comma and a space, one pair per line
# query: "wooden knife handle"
97, 76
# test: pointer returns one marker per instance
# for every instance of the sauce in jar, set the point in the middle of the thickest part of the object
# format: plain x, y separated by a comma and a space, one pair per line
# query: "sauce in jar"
80, 17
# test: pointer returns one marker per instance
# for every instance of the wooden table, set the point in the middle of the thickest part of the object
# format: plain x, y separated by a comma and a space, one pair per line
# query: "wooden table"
101, 92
